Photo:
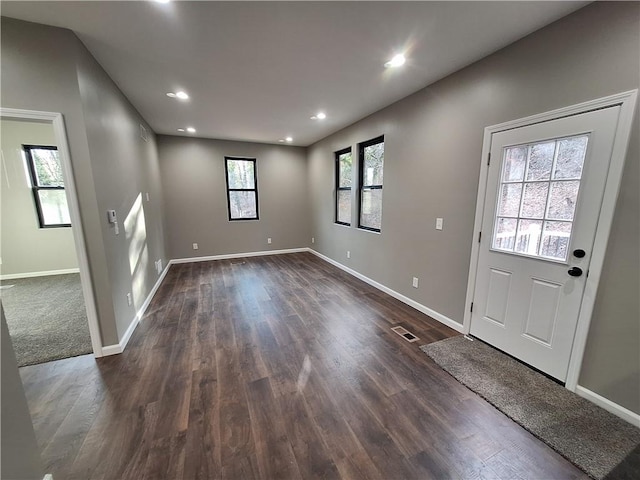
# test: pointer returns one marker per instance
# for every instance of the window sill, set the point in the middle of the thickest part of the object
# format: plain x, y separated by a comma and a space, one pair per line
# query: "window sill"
368, 231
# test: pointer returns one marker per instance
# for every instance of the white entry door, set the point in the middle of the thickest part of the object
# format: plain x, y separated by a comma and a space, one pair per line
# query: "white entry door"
545, 187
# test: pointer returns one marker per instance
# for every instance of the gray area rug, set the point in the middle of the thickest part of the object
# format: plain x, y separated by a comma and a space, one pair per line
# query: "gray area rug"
46, 318
585, 434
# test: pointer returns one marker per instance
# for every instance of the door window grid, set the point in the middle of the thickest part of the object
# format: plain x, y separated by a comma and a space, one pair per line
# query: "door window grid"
537, 197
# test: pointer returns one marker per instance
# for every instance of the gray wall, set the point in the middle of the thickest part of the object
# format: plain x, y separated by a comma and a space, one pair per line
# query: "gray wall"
47, 68
20, 456
25, 247
125, 169
193, 178
433, 141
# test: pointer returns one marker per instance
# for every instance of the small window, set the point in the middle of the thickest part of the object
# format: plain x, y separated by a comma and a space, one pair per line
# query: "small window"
47, 184
242, 188
371, 170
344, 180
537, 197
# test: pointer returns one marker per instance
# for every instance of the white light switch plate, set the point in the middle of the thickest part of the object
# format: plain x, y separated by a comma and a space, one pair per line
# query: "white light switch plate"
439, 222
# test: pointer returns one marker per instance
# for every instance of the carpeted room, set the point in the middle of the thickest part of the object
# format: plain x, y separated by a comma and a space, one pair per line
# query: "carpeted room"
423, 162
40, 285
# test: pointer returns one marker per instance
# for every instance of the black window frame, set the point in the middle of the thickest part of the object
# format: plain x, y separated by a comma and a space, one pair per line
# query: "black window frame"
254, 189
35, 188
361, 186
337, 182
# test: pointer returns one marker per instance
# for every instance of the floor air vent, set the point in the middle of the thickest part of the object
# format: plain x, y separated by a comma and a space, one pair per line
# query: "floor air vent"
406, 334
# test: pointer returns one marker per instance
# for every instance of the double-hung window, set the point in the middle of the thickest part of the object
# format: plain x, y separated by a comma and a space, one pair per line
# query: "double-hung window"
47, 184
242, 188
371, 162
344, 180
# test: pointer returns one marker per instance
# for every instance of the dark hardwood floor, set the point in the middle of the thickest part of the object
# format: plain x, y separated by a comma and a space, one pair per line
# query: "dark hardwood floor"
274, 367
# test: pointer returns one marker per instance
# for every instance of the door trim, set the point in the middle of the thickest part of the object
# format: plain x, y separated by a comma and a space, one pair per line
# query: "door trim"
57, 121
627, 102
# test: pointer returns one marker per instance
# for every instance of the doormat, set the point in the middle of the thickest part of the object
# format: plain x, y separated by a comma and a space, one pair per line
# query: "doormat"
588, 436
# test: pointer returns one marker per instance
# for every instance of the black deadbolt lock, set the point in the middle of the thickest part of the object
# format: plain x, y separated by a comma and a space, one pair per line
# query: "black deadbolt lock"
575, 271
579, 253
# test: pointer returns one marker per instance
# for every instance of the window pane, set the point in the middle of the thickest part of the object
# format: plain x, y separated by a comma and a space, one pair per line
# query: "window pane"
555, 240
514, 161
510, 200
528, 236
53, 204
241, 174
48, 168
371, 208
373, 164
243, 205
505, 236
535, 199
344, 206
562, 200
345, 165
540, 161
571, 153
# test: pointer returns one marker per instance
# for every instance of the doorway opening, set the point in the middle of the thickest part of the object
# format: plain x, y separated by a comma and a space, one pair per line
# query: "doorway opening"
45, 288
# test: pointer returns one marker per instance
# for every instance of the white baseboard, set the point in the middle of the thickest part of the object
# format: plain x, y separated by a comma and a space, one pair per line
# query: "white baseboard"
119, 347
412, 303
618, 410
13, 276
237, 255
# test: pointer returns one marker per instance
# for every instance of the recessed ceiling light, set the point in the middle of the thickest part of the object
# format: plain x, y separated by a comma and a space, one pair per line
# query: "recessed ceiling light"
281, 140
181, 129
289, 139
396, 61
181, 95
162, 1
191, 130
319, 116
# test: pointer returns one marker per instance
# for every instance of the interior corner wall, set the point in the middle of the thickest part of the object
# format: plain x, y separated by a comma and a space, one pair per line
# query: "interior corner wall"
26, 247
433, 144
39, 73
193, 176
126, 179
49, 69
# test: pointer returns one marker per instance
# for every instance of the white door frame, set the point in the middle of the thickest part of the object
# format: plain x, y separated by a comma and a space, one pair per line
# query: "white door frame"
57, 121
627, 102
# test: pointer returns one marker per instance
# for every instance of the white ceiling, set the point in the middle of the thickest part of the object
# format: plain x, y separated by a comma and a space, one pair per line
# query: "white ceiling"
257, 71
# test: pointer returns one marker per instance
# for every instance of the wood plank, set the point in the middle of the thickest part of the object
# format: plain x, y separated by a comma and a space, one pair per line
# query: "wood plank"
280, 366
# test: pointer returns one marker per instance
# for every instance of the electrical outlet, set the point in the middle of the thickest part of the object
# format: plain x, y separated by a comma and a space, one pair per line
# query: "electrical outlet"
348, 254
415, 282
159, 266
195, 246
129, 299
269, 240
313, 239
439, 222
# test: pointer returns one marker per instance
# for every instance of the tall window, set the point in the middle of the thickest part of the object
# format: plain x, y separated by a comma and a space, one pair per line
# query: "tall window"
371, 167
242, 188
344, 180
47, 184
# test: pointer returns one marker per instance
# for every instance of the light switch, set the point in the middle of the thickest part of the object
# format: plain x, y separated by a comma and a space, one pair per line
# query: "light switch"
439, 223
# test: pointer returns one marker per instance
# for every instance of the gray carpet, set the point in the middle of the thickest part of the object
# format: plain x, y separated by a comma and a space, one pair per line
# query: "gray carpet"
585, 434
46, 318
